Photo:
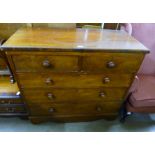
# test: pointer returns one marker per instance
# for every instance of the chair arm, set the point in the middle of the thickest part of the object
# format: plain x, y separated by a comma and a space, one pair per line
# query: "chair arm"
135, 85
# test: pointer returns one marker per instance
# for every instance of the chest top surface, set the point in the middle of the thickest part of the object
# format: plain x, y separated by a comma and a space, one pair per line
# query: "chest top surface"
82, 39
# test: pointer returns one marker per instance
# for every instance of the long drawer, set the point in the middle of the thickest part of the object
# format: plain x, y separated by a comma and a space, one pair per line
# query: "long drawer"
77, 108
94, 62
57, 80
57, 95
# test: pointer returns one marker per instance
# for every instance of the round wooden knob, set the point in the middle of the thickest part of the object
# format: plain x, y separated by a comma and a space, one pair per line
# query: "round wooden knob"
106, 80
50, 96
46, 63
102, 94
111, 64
49, 81
99, 108
51, 110
12, 80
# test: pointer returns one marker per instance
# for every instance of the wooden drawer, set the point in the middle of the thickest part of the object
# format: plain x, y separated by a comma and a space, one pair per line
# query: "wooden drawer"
33, 63
113, 62
58, 95
55, 80
7, 108
10, 100
77, 108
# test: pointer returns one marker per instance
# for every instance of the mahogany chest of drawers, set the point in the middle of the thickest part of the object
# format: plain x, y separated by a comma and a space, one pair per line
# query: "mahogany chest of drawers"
73, 74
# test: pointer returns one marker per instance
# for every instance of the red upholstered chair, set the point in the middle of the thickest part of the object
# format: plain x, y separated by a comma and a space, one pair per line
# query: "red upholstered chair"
141, 96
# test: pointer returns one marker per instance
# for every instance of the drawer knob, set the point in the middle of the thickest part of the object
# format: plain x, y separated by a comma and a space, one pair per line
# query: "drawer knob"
99, 108
102, 94
111, 64
46, 63
49, 81
106, 80
51, 110
12, 80
51, 96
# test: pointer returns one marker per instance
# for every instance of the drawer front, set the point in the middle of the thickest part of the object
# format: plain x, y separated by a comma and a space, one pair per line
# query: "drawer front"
9, 109
32, 80
113, 62
58, 95
32, 63
69, 109
10, 101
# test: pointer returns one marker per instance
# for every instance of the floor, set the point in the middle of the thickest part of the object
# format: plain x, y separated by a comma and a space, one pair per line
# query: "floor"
136, 122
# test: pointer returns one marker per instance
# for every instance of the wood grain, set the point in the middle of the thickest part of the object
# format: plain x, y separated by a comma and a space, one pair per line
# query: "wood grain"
72, 80
60, 109
45, 38
56, 63
73, 74
88, 94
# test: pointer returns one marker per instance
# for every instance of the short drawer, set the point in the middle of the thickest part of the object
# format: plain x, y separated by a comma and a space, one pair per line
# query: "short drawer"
55, 80
113, 62
77, 108
33, 63
58, 95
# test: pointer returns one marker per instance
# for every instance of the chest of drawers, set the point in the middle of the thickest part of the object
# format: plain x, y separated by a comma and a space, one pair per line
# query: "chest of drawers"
73, 75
